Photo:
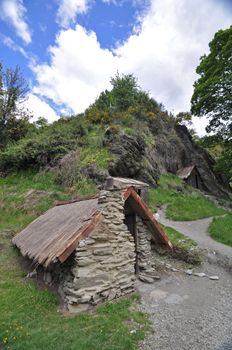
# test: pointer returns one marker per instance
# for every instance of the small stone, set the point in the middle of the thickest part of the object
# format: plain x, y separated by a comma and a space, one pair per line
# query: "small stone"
32, 274
82, 244
189, 272
174, 270
214, 278
156, 216
199, 274
146, 279
47, 277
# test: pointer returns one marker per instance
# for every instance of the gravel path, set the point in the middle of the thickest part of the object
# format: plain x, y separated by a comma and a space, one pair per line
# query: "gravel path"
190, 312
197, 230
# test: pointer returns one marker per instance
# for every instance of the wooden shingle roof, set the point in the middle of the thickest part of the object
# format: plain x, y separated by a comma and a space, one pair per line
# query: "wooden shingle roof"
55, 234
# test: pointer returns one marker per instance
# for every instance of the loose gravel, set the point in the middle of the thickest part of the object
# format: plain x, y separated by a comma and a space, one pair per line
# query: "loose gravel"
190, 312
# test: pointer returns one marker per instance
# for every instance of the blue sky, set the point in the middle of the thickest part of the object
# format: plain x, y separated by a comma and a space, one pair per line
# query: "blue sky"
69, 49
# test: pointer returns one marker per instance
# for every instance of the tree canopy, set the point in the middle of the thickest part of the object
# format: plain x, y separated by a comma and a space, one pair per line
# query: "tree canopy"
13, 117
125, 97
212, 94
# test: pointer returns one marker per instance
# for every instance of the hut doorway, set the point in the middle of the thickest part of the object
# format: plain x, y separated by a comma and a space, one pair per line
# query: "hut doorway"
196, 181
130, 222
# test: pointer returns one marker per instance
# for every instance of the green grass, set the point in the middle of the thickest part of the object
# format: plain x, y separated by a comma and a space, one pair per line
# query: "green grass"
16, 213
85, 187
29, 319
221, 229
100, 157
184, 247
183, 203
13, 189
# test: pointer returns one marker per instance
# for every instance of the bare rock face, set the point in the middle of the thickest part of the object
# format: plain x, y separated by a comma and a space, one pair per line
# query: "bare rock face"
129, 150
173, 149
130, 159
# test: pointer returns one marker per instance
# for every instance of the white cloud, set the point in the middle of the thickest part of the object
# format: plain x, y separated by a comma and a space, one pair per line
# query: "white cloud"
163, 54
13, 12
77, 73
12, 45
68, 11
39, 108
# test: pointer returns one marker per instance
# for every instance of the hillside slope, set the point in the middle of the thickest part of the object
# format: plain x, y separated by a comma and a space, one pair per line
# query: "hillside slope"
123, 133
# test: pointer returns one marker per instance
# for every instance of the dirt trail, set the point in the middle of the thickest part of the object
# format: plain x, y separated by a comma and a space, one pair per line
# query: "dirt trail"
197, 230
190, 312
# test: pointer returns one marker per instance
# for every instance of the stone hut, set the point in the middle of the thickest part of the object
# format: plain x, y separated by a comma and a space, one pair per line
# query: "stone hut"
191, 176
91, 249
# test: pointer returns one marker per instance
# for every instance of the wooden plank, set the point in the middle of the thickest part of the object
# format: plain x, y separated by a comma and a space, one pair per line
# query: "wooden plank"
162, 236
81, 234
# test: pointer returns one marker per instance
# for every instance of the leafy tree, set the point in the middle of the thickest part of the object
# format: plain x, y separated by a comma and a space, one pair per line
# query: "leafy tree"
124, 92
13, 118
184, 118
212, 94
224, 163
125, 99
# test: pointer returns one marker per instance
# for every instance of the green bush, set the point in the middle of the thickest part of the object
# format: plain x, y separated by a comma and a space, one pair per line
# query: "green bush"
44, 146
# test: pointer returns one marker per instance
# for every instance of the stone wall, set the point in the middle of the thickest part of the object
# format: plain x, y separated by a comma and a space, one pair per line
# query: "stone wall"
146, 269
104, 266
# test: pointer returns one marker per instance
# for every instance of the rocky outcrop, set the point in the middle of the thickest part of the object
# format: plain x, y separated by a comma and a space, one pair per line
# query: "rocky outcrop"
173, 149
130, 156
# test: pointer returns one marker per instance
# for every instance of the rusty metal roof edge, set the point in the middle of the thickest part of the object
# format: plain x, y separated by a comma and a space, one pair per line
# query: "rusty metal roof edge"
154, 223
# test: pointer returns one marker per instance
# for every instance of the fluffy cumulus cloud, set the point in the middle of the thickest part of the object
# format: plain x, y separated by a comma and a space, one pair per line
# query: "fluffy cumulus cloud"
78, 71
40, 108
163, 54
69, 9
14, 13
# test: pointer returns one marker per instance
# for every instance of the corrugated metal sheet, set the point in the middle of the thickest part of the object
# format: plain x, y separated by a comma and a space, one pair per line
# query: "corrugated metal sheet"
184, 173
61, 227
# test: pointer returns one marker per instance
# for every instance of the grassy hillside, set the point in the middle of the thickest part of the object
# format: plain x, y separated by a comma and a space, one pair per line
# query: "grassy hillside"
183, 203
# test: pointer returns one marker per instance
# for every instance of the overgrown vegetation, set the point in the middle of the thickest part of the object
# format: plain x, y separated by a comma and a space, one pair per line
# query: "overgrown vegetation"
184, 248
220, 229
183, 203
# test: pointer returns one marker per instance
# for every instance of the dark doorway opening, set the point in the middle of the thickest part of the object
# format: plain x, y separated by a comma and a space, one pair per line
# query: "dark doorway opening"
130, 222
196, 180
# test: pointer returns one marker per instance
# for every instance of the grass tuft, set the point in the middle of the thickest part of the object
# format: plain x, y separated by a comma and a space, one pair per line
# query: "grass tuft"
184, 247
221, 229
